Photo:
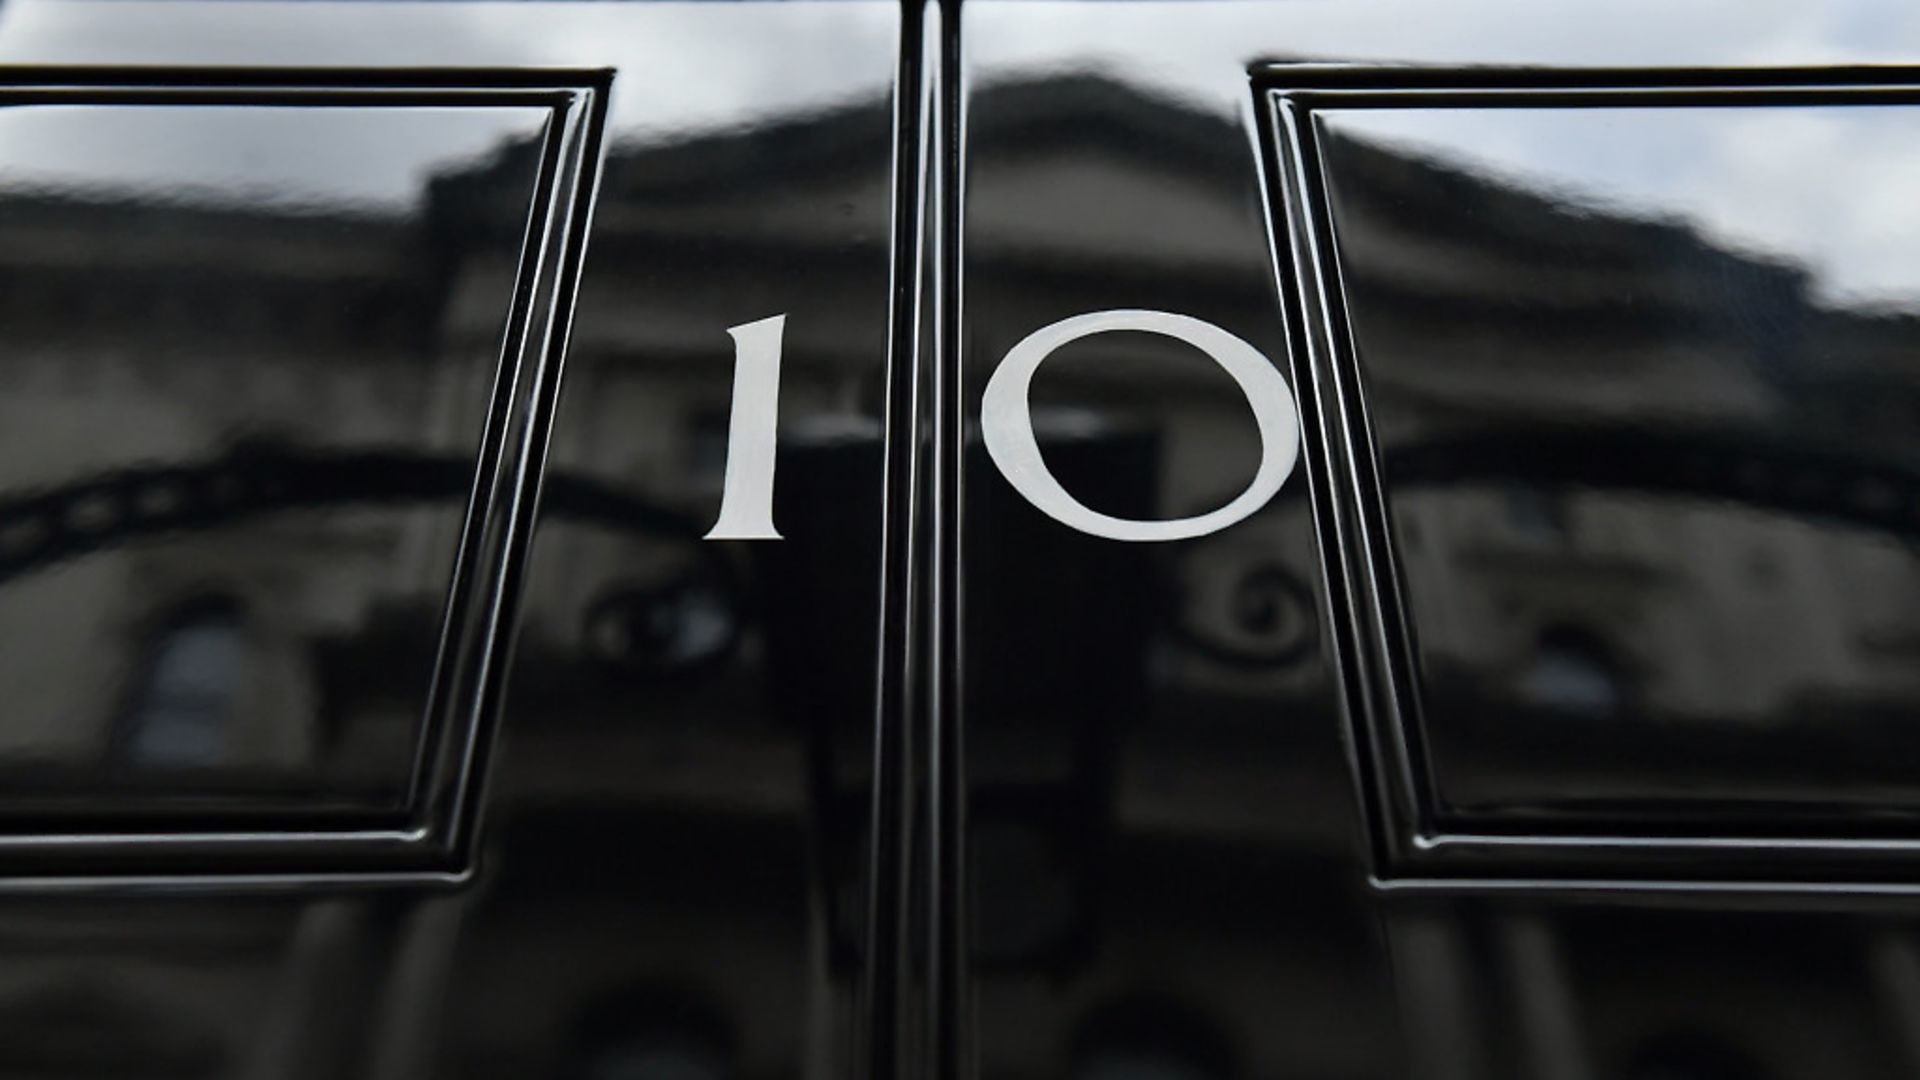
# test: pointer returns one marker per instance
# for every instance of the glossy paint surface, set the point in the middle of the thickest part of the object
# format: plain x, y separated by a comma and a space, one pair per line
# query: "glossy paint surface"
220, 359
937, 785
1220, 950
1163, 853
669, 869
1647, 449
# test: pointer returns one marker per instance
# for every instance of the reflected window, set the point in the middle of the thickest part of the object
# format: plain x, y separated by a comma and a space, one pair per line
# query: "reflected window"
707, 434
1572, 670
1536, 514
658, 1058
1691, 1056
653, 1033
78, 1026
1138, 1065
185, 704
681, 626
1151, 1039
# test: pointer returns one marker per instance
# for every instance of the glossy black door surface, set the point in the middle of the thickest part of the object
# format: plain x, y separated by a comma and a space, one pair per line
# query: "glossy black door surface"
212, 360
1354, 540
1604, 395
1648, 504
305, 306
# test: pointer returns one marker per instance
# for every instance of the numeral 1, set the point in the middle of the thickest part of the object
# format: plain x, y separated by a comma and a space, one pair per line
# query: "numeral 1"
746, 504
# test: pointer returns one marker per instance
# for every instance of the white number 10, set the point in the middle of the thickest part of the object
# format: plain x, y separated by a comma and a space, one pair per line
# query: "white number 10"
1006, 425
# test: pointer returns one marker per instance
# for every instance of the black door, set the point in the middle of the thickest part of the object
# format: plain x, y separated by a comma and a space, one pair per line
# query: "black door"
1099, 540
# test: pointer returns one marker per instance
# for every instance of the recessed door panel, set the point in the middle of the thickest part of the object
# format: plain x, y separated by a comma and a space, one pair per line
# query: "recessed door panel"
1740, 348
258, 404
447, 292
218, 361
1633, 526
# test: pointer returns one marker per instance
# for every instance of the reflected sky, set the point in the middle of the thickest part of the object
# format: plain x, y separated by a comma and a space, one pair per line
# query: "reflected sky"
682, 67
246, 155
1828, 188
1185, 47
1756, 181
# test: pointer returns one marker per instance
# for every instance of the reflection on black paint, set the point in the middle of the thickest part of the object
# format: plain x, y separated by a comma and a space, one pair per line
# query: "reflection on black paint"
1150, 1038
652, 1033
684, 779
1653, 483
1164, 872
265, 468
1168, 880
186, 697
215, 382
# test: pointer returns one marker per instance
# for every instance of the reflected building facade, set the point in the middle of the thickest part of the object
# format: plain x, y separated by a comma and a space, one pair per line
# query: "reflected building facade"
210, 392
1649, 492
1164, 883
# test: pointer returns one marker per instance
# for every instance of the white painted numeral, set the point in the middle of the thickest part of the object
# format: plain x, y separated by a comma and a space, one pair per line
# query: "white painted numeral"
746, 503
1006, 423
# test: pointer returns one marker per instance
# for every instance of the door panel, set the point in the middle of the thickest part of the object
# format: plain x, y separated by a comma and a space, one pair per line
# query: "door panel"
668, 873
1644, 895
260, 419
183, 428
1655, 588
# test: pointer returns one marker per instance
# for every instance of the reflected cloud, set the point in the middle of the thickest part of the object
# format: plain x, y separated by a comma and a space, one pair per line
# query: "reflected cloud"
351, 160
1828, 188
1197, 53
682, 66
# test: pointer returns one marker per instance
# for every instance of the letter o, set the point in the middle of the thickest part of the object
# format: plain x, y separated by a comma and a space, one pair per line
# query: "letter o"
1006, 422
